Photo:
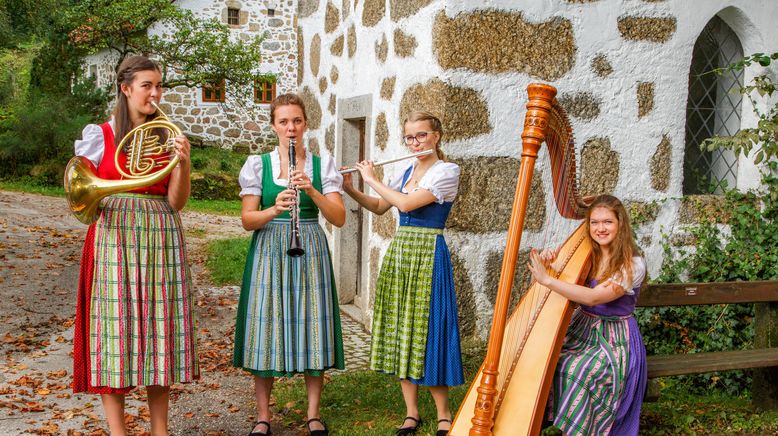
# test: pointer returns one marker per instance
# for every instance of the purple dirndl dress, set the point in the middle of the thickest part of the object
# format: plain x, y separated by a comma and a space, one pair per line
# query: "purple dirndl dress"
600, 379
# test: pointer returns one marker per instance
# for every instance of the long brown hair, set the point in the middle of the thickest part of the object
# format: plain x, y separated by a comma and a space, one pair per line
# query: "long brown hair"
284, 100
435, 124
623, 247
126, 75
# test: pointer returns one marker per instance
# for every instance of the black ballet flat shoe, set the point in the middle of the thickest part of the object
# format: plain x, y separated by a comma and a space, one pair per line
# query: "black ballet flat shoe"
324, 432
259, 433
443, 432
403, 431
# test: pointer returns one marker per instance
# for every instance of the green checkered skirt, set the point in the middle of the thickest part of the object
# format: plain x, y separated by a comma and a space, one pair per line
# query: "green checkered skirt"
141, 316
402, 303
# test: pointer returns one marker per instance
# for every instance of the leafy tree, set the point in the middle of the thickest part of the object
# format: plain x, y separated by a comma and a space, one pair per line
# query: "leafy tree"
196, 52
762, 139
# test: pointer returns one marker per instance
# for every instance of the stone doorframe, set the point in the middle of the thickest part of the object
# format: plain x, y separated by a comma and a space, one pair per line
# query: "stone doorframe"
354, 118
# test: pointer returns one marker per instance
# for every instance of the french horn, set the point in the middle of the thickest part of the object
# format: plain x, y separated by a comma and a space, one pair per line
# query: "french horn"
146, 165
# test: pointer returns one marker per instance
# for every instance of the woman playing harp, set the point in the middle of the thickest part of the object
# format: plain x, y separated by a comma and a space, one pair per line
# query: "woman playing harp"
600, 379
509, 393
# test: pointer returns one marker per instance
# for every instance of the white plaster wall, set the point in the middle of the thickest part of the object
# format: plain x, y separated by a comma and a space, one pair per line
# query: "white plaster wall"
596, 32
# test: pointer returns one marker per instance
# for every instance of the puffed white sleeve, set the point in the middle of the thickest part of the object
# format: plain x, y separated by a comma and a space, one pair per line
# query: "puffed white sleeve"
638, 274
91, 144
331, 179
442, 180
250, 177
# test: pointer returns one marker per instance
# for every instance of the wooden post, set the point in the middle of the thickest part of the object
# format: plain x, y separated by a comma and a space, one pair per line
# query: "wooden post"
764, 387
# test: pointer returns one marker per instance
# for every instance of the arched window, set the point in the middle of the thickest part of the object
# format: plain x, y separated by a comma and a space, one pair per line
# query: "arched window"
713, 108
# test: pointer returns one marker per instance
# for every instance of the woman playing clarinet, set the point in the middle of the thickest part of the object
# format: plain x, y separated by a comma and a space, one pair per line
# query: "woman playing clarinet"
288, 321
415, 333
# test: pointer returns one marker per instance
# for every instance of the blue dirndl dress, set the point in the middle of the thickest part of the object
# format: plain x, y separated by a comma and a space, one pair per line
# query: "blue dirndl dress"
433, 358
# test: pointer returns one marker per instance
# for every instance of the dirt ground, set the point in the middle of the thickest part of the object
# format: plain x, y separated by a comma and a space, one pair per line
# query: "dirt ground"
40, 245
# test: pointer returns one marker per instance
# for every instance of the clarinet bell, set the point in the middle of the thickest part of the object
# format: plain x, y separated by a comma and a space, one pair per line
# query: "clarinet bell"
294, 249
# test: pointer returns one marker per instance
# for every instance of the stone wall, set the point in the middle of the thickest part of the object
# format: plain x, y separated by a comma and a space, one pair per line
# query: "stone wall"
621, 69
227, 125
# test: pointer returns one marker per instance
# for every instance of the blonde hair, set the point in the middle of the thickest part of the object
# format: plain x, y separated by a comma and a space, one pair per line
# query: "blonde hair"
623, 247
434, 123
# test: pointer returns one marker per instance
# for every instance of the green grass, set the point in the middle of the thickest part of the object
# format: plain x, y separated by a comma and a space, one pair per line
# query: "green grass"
226, 259
369, 403
679, 413
216, 160
216, 207
28, 186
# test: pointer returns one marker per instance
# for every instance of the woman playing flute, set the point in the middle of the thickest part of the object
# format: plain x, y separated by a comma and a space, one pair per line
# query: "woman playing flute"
288, 319
415, 331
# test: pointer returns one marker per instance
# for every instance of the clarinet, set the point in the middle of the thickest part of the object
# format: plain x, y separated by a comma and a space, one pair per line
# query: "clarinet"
295, 249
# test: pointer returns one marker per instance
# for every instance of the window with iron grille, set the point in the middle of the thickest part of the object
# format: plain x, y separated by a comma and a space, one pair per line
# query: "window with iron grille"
214, 92
713, 108
264, 91
233, 16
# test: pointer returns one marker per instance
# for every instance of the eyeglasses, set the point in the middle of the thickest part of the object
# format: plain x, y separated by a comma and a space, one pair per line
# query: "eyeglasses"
420, 137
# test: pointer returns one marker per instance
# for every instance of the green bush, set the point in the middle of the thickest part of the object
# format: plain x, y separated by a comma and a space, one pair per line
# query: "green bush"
748, 251
36, 139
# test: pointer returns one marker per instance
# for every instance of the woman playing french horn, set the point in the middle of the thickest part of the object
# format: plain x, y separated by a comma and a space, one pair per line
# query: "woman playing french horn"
134, 317
288, 318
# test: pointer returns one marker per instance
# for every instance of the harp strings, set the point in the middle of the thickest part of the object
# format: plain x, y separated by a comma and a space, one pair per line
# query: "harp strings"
557, 170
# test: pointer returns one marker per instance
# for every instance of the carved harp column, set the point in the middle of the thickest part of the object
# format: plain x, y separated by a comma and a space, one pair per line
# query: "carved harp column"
535, 123
523, 349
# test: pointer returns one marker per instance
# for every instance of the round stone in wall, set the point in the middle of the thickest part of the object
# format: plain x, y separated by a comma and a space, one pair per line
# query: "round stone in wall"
582, 105
381, 131
322, 85
645, 98
334, 74
312, 108
462, 111
352, 41
372, 12
306, 8
399, 9
404, 44
601, 66
331, 18
599, 167
661, 165
466, 309
654, 29
382, 49
387, 87
315, 53
493, 41
331, 106
300, 56
336, 48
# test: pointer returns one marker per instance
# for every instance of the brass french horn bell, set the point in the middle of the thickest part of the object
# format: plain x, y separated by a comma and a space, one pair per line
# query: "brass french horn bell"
143, 144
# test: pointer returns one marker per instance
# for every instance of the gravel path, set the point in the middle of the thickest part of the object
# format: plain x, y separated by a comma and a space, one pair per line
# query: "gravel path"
40, 246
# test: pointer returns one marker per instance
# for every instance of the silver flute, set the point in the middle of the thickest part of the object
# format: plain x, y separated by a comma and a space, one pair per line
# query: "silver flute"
295, 249
378, 164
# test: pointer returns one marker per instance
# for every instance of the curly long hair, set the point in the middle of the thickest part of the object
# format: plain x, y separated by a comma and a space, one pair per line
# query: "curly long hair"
623, 248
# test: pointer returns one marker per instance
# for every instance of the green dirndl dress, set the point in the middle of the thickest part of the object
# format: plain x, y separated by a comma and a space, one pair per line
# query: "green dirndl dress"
288, 320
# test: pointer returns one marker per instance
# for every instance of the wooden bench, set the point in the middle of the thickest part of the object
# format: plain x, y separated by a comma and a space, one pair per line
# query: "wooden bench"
765, 355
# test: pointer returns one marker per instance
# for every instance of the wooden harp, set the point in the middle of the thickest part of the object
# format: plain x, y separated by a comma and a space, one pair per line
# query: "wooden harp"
508, 395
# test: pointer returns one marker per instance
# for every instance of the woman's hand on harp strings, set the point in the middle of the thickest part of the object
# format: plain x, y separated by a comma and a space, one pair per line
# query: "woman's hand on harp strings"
538, 264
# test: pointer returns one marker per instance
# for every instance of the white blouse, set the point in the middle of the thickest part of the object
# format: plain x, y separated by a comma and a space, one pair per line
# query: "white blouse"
442, 180
91, 146
638, 274
250, 177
